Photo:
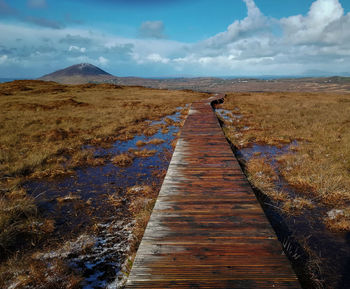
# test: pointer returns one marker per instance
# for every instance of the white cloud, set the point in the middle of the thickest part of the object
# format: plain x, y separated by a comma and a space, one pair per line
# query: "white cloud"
254, 22
319, 40
154, 57
102, 61
312, 27
77, 48
3, 59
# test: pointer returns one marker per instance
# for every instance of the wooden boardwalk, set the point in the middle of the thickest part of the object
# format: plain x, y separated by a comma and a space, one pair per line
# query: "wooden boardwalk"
207, 229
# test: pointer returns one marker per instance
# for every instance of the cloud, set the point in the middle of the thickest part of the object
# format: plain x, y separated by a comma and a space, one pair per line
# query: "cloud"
254, 45
99, 61
253, 23
37, 3
3, 59
319, 40
312, 27
73, 48
154, 57
152, 29
102, 61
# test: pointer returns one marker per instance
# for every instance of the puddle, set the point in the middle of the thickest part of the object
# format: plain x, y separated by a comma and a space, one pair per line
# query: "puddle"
316, 253
80, 201
228, 115
266, 151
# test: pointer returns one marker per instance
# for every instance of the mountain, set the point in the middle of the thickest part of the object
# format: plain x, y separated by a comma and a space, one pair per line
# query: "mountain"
85, 73
79, 73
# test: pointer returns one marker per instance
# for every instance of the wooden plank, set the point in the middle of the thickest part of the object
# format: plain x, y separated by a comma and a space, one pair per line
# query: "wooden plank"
207, 229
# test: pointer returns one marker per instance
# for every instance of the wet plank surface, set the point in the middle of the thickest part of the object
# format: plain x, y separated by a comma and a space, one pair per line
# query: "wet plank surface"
207, 229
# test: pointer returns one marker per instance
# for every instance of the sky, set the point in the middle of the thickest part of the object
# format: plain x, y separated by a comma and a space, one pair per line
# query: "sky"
175, 38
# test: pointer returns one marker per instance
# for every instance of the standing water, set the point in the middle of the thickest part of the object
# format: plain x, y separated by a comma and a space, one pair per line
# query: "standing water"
84, 208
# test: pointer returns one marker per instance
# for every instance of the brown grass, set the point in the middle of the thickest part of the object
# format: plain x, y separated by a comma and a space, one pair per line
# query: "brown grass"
19, 222
152, 130
42, 121
123, 160
296, 205
140, 143
156, 141
319, 165
145, 153
28, 273
338, 219
141, 202
43, 126
169, 121
165, 130
261, 174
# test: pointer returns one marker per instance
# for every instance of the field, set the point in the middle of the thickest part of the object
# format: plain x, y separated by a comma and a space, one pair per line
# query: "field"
294, 148
319, 164
42, 122
48, 131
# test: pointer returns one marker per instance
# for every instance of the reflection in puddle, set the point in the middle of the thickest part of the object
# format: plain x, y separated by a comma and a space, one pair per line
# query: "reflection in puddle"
80, 201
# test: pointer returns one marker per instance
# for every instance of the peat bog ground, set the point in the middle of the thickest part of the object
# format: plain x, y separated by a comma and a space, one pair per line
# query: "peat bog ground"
81, 167
294, 149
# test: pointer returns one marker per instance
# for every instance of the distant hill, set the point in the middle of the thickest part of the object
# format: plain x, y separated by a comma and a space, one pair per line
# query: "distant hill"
79, 73
88, 73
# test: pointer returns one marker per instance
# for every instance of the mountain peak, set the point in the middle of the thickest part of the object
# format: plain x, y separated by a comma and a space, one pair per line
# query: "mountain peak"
82, 69
85, 66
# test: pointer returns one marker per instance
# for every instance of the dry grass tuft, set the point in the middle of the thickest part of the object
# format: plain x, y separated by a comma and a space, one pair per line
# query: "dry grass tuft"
115, 200
296, 205
140, 143
141, 202
169, 121
156, 141
19, 222
173, 143
139, 191
152, 130
278, 196
338, 219
39, 274
165, 130
261, 174
145, 153
123, 160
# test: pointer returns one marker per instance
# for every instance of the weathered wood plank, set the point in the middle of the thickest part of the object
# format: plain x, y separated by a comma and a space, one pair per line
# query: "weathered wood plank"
207, 229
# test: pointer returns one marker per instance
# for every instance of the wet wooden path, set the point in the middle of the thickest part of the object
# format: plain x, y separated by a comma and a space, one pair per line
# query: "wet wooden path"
207, 229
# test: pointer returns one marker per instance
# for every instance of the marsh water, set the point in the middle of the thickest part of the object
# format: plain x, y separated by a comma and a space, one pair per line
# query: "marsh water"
94, 234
